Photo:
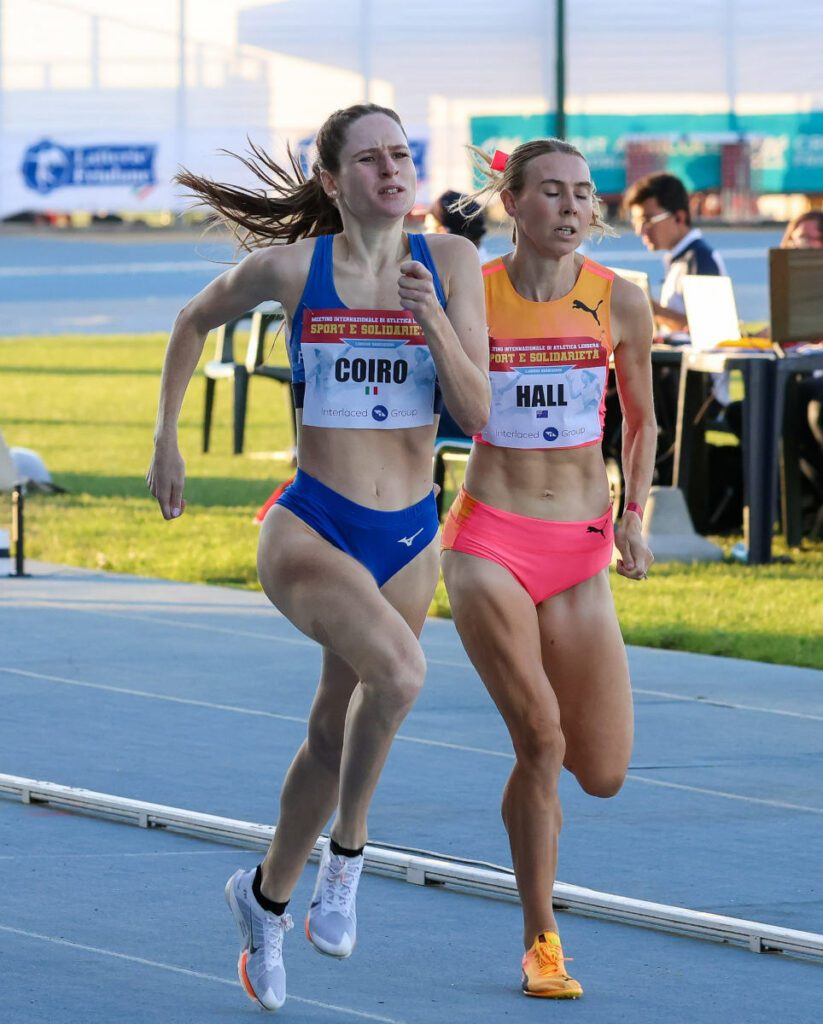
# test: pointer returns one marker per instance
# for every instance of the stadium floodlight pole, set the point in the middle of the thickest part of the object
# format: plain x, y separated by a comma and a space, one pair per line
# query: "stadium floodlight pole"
2, 103
365, 47
731, 65
181, 83
560, 69
94, 26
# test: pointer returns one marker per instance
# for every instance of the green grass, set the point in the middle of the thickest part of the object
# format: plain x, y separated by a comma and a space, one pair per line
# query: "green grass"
88, 404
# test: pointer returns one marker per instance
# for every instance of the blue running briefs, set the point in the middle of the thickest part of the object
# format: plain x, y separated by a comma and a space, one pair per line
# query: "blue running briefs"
383, 542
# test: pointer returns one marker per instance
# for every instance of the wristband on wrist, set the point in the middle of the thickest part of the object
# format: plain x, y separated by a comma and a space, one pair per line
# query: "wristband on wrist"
632, 506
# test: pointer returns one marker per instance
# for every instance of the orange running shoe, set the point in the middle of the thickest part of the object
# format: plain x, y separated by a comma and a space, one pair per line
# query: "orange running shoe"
543, 971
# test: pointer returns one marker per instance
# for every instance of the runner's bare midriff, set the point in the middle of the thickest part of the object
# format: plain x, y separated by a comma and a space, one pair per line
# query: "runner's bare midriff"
565, 485
381, 469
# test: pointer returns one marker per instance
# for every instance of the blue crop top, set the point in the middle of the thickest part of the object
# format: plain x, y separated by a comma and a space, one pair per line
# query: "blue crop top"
320, 293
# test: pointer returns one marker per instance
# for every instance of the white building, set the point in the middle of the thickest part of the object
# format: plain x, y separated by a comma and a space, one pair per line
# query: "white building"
98, 110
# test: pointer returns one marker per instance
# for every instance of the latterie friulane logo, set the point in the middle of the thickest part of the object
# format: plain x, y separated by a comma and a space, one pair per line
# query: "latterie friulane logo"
48, 165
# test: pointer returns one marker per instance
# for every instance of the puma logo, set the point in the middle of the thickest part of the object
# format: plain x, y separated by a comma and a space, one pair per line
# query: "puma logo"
596, 529
408, 541
578, 304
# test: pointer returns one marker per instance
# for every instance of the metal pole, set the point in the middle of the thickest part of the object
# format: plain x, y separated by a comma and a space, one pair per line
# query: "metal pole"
560, 69
95, 50
18, 524
3, 140
181, 84
366, 47
731, 64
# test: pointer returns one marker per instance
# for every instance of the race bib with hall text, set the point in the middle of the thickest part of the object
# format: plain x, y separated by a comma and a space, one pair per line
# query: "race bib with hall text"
366, 368
546, 392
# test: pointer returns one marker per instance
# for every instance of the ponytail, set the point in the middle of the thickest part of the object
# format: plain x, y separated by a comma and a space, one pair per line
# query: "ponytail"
287, 204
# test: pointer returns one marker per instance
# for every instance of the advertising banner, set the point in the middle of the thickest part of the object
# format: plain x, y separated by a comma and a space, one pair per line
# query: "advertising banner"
786, 149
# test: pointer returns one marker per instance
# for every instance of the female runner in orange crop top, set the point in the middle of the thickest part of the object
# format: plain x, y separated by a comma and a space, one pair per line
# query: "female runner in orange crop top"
528, 541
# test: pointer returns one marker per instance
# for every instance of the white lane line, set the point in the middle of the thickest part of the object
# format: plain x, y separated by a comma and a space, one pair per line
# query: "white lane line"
181, 624
155, 696
173, 968
234, 709
61, 856
92, 269
401, 737
709, 702
762, 801
441, 662
207, 266
640, 256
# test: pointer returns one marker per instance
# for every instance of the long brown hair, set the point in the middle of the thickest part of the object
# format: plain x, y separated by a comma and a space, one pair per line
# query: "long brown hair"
288, 204
513, 176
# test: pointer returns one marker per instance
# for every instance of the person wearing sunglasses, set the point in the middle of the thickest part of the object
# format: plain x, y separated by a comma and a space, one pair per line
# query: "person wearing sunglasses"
658, 206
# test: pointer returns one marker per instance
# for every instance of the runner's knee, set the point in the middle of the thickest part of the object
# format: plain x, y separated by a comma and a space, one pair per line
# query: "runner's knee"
601, 780
395, 678
540, 746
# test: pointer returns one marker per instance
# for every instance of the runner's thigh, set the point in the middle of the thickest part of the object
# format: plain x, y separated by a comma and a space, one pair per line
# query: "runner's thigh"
498, 624
411, 589
332, 598
585, 660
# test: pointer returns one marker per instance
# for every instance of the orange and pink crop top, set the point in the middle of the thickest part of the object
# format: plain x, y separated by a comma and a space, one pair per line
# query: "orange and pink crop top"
548, 362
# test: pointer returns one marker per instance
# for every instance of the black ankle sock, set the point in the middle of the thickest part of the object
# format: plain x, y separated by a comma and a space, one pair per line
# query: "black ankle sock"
264, 901
341, 851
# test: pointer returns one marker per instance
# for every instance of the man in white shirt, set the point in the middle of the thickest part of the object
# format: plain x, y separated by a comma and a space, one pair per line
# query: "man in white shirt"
659, 209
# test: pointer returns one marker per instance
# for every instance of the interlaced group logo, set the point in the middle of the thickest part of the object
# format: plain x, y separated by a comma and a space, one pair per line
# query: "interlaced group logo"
551, 434
380, 413
47, 166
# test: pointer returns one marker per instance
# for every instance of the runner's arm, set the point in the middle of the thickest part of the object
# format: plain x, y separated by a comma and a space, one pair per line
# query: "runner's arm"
457, 336
632, 362
227, 297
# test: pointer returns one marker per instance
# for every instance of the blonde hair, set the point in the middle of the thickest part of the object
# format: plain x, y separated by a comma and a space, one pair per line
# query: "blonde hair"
512, 177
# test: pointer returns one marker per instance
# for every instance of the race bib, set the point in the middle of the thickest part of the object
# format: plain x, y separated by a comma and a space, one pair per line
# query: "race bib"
546, 392
366, 368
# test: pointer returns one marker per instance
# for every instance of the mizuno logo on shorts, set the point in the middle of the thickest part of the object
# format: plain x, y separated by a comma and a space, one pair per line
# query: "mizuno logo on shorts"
409, 540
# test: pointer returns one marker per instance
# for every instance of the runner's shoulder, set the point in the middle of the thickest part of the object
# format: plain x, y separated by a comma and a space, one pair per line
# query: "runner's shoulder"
451, 249
630, 306
455, 257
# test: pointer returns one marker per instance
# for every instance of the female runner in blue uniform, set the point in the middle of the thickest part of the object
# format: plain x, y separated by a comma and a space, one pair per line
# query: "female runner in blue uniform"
349, 554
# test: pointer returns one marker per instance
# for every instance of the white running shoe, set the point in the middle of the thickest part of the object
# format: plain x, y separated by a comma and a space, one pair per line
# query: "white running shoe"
331, 923
260, 966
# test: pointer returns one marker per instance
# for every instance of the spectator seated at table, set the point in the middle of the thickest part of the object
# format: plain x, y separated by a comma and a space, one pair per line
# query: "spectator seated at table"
658, 206
659, 210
